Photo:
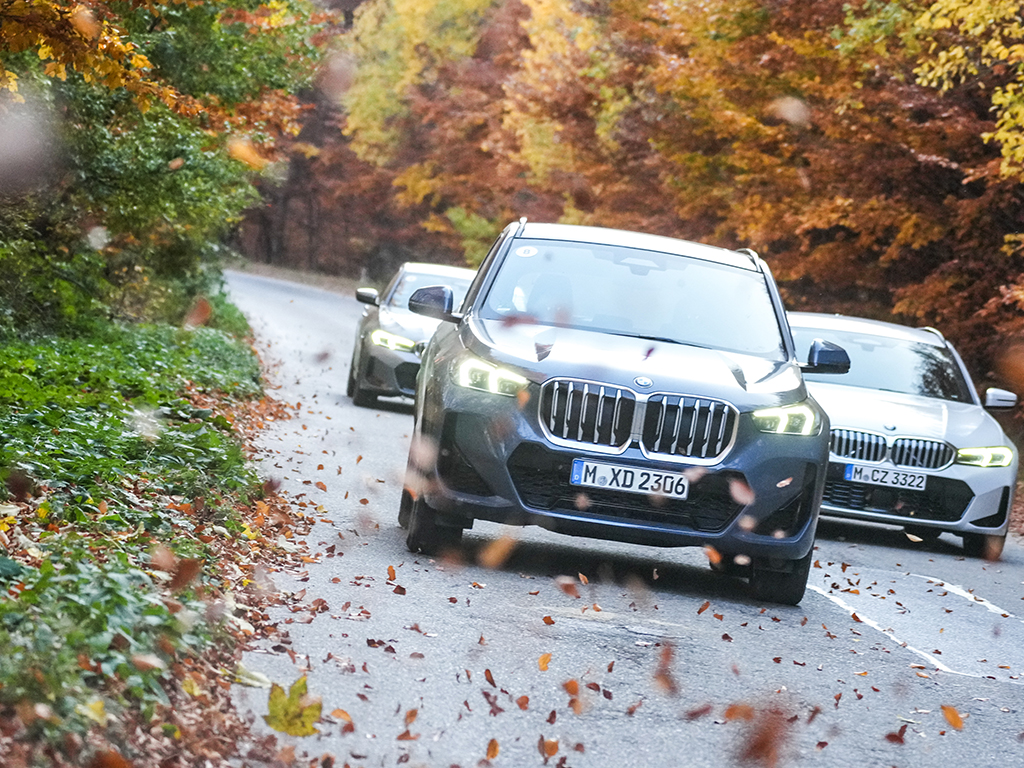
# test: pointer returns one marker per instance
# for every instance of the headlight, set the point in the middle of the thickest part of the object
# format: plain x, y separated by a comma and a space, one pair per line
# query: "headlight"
799, 419
999, 456
391, 341
476, 374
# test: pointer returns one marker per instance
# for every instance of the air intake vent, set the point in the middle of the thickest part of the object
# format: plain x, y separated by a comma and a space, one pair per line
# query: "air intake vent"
678, 425
860, 446
921, 454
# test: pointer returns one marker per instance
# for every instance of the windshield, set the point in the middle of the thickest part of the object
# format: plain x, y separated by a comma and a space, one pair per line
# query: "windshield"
636, 293
895, 365
409, 282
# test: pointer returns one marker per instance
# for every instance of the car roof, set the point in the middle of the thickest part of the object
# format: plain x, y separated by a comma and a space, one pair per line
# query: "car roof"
827, 322
641, 240
438, 270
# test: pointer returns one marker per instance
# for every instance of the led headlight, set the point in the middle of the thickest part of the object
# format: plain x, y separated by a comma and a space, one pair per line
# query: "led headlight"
998, 456
474, 373
392, 341
798, 419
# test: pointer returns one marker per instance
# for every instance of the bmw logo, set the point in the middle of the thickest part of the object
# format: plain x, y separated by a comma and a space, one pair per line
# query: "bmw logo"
643, 382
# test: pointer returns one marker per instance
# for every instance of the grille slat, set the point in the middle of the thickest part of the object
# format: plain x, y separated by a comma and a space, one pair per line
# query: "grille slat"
910, 452
587, 413
921, 454
862, 446
706, 426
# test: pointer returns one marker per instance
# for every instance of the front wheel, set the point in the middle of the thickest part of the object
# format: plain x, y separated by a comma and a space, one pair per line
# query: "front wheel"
984, 545
786, 587
354, 389
426, 535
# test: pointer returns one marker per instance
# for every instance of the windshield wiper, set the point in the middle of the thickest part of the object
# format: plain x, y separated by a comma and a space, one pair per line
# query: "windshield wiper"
665, 339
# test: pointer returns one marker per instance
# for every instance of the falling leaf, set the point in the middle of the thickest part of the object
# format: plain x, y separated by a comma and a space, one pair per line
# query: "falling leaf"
497, 552
713, 555
543, 661
406, 736
632, 708
184, 573
321, 485
741, 492
552, 717
523, 702
548, 747
568, 585
490, 677
391, 573
896, 737
727, 637
583, 579
243, 151
492, 749
548, 620
766, 738
699, 712
739, 712
572, 687
295, 712
704, 607
952, 717
341, 714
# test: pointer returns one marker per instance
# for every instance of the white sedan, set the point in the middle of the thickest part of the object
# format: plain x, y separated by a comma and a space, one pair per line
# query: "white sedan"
912, 442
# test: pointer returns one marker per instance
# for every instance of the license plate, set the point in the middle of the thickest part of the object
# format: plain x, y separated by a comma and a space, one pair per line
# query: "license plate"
881, 476
615, 477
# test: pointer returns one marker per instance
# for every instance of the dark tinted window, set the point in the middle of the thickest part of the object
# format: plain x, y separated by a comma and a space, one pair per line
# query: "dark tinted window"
636, 293
893, 365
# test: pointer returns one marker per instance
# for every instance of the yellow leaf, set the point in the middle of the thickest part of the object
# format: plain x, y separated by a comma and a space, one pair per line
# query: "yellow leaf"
94, 710
543, 661
952, 716
293, 713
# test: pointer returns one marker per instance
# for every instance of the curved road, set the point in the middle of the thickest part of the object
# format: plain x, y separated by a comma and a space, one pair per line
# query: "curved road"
433, 664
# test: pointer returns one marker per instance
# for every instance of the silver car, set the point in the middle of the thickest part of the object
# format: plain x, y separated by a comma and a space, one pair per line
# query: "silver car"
389, 338
912, 442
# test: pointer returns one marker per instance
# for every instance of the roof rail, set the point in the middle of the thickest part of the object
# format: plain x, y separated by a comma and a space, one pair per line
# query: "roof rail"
522, 223
751, 253
936, 331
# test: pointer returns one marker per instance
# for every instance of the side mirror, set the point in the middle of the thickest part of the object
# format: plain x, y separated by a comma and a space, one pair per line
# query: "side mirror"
826, 357
434, 301
368, 296
1000, 399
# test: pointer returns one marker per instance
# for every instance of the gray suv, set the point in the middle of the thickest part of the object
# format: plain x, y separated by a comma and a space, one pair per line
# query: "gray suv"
625, 386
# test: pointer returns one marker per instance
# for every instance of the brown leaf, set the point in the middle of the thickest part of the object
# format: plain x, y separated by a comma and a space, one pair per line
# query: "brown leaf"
548, 620
632, 708
727, 637
543, 661
399, 589
552, 716
568, 585
767, 738
321, 485
109, 758
341, 714
523, 702
896, 737
406, 736
492, 749
548, 747
490, 678
704, 607
410, 716
952, 716
184, 573
739, 712
699, 712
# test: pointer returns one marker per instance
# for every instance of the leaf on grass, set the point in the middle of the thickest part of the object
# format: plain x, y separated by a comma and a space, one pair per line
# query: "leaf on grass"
492, 749
543, 661
952, 716
295, 712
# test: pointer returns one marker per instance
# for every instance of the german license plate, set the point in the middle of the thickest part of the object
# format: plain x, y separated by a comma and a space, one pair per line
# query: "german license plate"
882, 476
615, 477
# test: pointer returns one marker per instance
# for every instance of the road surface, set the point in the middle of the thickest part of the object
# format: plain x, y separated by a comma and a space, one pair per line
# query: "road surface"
657, 662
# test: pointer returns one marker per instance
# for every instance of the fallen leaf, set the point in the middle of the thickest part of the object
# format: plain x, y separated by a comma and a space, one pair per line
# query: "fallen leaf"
739, 712
568, 585
952, 716
492, 749
704, 607
543, 661
293, 713
548, 620
523, 702
321, 485
391, 573
583, 579
572, 687
410, 716
490, 678
341, 714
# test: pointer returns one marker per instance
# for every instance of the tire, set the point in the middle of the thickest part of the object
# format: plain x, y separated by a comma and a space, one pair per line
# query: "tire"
359, 395
926, 534
778, 586
984, 545
426, 535
405, 509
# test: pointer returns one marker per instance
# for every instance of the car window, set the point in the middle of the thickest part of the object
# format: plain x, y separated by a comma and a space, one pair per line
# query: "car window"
893, 365
640, 293
411, 281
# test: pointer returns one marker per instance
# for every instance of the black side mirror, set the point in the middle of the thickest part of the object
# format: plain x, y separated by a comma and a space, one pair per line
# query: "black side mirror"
826, 357
1000, 399
368, 296
434, 301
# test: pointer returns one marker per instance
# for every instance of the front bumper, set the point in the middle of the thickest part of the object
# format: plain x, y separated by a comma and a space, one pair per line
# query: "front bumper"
493, 463
961, 499
389, 372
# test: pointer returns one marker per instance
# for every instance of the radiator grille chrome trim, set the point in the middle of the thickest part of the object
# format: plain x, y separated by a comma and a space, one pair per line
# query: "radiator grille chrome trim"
908, 452
605, 418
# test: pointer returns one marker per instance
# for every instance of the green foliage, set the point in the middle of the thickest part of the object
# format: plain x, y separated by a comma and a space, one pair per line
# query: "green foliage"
101, 426
477, 233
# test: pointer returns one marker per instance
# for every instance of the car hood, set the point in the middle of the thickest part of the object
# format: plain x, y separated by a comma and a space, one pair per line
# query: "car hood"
542, 352
901, 415
404, 323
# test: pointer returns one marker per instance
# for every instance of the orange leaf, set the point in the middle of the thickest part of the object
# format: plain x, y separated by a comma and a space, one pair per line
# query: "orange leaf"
490, 677
571, 687
391, 573
543, 661
704, 607
952, 717
410, 716
406, 736
548, 620
857, 618
341, 714
583, 579
523, 702
497, 552
739, 712
321, 485
492, 749
549, 747
184, 573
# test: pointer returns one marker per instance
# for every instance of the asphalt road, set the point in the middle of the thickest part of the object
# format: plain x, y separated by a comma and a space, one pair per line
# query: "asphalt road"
431, 664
